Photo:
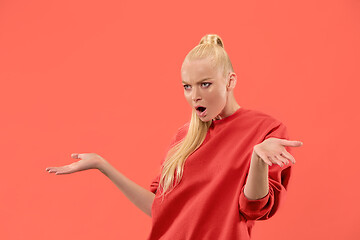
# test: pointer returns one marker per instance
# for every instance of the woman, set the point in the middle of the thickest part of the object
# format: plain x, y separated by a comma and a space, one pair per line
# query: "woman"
225, 168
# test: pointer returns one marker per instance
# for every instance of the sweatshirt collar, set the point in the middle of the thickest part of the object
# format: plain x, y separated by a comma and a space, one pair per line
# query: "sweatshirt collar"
228, 118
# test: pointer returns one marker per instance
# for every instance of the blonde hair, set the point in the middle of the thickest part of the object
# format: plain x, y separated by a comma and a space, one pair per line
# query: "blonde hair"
211, 47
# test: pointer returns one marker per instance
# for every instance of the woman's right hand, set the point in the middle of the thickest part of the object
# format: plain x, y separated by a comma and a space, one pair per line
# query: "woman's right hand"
87, 161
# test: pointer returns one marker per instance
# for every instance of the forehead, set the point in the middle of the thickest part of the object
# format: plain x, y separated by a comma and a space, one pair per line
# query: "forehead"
195, 70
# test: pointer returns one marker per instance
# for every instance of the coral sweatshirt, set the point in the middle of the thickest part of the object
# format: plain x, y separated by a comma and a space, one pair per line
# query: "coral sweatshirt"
209, 202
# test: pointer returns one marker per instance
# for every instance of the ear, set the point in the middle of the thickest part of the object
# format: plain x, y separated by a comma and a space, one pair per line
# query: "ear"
232, 78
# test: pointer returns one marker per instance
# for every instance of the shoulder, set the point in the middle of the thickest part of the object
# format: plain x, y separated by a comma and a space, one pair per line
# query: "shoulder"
180, 134
260, 124
252, 117
265, 125
182, 131
271, 126
262, 116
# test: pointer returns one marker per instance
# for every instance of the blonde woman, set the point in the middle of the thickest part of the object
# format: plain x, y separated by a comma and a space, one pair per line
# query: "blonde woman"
226, 168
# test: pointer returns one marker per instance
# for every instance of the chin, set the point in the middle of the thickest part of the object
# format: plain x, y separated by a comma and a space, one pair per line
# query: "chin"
206, 119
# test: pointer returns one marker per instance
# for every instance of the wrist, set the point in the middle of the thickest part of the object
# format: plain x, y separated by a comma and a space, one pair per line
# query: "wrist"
101, 165
255, 159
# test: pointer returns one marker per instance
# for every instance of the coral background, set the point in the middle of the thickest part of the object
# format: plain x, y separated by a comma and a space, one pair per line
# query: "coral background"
104, 76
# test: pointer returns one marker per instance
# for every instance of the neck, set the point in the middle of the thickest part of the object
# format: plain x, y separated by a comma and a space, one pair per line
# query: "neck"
230, 107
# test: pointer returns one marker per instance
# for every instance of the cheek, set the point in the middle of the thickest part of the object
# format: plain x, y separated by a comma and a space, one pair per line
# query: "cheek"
217, 96
187, 97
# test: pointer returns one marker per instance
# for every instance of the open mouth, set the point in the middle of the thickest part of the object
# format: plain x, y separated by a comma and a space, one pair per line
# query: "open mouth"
201, 109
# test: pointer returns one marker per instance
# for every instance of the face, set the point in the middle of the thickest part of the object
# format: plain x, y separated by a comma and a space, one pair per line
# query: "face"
204, 86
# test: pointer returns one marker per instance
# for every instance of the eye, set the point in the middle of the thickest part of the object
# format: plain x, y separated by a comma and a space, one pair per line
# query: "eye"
185, 87
207, 83
201, 84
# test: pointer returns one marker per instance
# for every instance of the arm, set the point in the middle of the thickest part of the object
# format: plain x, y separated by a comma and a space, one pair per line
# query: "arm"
266, 186
141, 197
257, 184
265, 190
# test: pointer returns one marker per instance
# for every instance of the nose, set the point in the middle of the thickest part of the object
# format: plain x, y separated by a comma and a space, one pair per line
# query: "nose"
195, 95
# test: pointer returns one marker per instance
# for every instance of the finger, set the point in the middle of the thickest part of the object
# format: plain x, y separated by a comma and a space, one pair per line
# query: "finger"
75, 155
281, 158
50, 169
292, 160
288, 156
291, 143
284, 160
276, 161
64, 170
54, 169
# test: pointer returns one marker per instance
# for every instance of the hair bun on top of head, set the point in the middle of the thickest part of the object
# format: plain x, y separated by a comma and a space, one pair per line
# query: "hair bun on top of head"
212, 39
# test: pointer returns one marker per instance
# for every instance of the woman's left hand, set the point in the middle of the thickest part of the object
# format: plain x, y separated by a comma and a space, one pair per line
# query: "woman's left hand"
272, 150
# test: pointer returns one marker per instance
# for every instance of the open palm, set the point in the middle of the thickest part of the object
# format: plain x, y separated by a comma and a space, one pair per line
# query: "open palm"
87, 161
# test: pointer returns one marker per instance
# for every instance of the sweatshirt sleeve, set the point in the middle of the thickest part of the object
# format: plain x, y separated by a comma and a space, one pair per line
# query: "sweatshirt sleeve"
155, 182
266, 207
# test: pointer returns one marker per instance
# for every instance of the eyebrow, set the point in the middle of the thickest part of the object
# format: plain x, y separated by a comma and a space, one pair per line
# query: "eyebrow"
200, 80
